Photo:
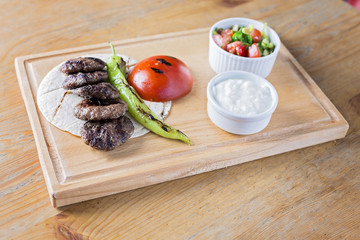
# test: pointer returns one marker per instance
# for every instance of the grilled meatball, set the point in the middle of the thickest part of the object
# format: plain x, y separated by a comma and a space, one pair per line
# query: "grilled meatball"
82, 79
82, 64
96, 109
102, 90
108, 134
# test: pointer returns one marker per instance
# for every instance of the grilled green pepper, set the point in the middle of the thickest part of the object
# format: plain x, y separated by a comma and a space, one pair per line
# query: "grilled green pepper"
116, 68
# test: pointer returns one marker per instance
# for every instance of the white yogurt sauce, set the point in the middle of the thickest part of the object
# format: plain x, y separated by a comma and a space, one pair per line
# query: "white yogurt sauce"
245, 97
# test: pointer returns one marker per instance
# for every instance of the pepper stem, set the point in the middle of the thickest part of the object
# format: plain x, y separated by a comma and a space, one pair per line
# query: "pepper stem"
112, 48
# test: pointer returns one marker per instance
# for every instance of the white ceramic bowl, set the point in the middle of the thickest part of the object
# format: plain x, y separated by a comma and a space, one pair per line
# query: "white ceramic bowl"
236, 123
222, 61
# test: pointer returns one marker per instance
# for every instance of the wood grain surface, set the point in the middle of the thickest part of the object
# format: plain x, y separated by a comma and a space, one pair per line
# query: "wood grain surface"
311, 193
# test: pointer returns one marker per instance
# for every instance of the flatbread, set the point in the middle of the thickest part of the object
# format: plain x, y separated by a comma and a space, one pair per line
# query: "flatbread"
57, 104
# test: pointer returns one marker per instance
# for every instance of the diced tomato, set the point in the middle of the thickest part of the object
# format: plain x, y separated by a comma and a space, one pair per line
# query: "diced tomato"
217, 39
226, 40
231, 47
241, 50
226, 32
256, 35
253, 51
221, 41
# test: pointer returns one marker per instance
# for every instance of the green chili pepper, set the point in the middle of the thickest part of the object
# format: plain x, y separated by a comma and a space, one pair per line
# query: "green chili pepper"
116, 68
265, 43
266, 52
242, 37
271, 46
265, 31
235, 28
236, 36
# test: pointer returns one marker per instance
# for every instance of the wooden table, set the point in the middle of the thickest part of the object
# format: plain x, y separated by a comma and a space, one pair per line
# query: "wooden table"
309, 193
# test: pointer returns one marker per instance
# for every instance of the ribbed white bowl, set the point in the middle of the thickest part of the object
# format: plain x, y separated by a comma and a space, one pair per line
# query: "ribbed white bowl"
223, 61
237, 123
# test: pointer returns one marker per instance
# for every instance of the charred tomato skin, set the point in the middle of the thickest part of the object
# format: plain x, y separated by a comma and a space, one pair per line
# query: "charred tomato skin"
161, 78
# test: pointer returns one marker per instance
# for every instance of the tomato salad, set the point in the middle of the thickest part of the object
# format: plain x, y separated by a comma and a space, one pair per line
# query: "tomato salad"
244, 41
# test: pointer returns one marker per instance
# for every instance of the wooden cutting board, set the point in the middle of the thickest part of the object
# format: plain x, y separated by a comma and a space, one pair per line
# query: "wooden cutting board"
75, 172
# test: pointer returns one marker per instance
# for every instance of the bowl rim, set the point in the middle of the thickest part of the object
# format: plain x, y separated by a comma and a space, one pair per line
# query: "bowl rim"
237, 20
235, 116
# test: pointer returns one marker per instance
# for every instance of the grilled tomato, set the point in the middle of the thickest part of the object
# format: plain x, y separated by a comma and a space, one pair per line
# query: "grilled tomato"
161, 78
